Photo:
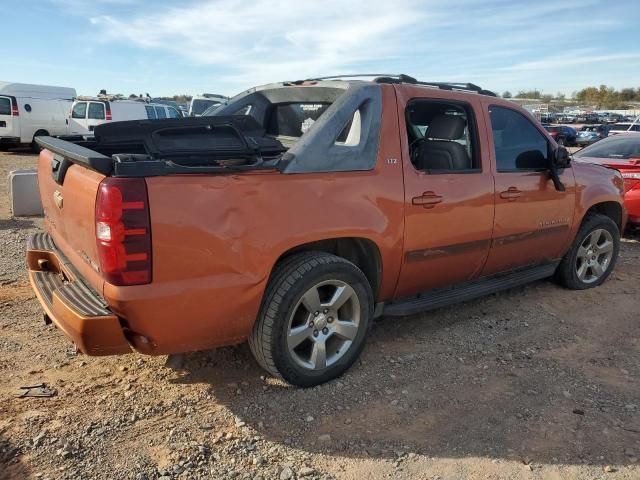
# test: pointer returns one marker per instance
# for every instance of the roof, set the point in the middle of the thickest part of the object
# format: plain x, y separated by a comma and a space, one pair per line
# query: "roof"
37, 91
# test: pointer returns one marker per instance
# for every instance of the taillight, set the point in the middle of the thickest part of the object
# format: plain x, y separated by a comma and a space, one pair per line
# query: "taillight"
107, 107
14, 107
123, 233
631, 180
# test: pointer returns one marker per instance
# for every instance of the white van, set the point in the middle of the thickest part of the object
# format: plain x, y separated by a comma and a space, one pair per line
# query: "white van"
27, 111
200, 103
88, 112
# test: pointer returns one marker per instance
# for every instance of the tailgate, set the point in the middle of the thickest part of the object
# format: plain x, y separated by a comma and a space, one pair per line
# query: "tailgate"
68, 200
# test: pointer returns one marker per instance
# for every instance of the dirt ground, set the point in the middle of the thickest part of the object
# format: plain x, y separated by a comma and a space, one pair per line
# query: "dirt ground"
537, 382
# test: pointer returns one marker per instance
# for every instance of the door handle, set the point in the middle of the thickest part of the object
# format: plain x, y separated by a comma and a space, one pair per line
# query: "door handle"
427, 200
511, 194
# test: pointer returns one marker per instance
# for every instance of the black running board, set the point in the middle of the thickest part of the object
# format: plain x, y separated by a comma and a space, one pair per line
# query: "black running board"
467, 291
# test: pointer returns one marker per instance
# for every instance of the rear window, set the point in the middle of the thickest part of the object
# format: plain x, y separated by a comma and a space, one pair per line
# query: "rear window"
79, 110
624, 127
96, 111
294, 119
619, 147
5, 106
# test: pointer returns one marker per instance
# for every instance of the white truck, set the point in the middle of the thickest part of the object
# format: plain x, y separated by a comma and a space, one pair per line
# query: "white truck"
28, 111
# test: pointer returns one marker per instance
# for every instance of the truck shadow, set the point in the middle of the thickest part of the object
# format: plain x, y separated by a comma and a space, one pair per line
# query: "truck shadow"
16, 223
11, 466
512, 376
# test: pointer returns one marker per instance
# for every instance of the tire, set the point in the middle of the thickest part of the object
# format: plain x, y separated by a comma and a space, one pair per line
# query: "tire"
561, 142
286, 318
570, 268
35, 148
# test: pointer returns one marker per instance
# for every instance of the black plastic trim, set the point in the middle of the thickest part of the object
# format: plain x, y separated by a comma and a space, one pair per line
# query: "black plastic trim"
468, 291
77, 154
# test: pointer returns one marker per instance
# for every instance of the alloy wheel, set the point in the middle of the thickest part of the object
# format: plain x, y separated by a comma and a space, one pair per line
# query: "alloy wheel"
594, 256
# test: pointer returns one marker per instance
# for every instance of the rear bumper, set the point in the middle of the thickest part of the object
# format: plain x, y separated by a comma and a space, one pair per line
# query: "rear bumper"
9, 141
75, 308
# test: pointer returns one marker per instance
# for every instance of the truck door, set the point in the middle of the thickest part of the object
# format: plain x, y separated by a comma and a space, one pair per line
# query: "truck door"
95, 115
78, 119
9, 128
448, 189
533, 219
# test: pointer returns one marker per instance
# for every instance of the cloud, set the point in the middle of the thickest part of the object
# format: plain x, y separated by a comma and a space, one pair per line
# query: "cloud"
270, 40
237, 44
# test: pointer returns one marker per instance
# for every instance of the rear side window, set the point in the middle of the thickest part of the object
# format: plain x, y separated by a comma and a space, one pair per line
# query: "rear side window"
173, 113
79, 110
96, 111
151, 112
518, 144
160, 112
5, 106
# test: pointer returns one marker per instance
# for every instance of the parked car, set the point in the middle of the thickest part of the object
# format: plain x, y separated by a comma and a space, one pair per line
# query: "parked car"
89, 112
28, 111
562, 134
294, 226
200, 103
621, 152
589, 134
623, 127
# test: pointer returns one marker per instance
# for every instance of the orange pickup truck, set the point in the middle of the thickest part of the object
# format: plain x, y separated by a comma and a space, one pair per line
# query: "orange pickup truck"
299, 211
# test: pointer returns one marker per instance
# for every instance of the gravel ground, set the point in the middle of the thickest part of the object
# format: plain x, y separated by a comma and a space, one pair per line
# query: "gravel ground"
537, 382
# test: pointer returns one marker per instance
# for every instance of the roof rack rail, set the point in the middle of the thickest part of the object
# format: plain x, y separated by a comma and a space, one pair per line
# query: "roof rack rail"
402, 78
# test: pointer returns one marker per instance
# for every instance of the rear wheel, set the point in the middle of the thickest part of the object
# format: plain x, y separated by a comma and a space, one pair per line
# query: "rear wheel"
314, 319
35, 148
593, 254
561, 142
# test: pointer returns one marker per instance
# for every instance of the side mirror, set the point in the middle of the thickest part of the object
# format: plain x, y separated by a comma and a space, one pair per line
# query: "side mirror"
561, 158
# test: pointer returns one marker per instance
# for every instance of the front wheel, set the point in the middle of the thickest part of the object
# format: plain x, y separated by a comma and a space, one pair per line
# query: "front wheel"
593, 254
314, 319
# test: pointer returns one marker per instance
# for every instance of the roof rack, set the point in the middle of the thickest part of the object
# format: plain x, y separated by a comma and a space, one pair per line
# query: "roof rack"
402, 78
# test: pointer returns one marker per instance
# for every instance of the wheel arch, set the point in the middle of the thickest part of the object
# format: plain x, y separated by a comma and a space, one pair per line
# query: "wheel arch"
362, 252
611, 209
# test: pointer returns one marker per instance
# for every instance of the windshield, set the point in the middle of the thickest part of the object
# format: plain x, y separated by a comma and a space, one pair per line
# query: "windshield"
620, 147
200, 105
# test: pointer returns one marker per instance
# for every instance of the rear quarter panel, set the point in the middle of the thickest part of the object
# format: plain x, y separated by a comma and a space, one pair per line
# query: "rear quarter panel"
216, 240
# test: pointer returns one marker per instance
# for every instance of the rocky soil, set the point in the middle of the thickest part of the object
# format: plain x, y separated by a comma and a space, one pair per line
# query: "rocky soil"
537, 382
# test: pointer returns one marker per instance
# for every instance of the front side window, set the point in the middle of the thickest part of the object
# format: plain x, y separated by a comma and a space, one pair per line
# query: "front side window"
5, 106
441, 137
173, 113
79, 110
96, 111
160, 112
518, 144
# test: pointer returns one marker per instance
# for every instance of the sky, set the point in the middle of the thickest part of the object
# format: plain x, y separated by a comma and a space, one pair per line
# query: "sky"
164, 47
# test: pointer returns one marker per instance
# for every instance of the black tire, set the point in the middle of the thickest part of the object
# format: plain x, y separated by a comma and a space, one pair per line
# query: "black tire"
567, 274
561, 142
35, 148
294, 276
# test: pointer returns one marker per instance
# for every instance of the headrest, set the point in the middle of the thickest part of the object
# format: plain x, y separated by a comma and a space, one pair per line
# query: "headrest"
446, 127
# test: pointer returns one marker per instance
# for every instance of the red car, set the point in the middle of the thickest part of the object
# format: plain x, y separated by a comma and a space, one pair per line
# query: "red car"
621, 152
